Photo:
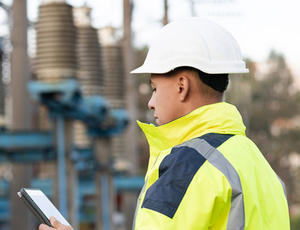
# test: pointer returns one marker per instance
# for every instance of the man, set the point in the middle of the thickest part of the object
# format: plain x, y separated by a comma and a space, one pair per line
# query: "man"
203, 173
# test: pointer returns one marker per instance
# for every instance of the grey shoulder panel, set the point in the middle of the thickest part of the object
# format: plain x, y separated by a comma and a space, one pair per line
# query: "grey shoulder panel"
236, 219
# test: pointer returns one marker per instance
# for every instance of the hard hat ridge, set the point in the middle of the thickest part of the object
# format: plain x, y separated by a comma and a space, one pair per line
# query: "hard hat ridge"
193, 42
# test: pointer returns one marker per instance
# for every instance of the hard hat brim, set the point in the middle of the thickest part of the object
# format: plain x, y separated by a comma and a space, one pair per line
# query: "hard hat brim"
161, 69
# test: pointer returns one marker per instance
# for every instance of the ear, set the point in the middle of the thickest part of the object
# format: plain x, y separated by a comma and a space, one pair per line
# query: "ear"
183, 87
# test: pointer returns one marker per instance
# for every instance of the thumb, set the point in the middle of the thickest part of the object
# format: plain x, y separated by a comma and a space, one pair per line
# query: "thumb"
55, 223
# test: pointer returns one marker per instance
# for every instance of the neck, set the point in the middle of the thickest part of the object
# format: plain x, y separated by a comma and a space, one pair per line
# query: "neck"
214, 118
200, 101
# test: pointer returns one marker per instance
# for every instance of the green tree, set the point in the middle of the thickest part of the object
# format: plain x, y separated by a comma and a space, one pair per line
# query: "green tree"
270, 104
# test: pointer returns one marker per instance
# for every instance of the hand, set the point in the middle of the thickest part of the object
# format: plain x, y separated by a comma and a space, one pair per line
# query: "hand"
56, 225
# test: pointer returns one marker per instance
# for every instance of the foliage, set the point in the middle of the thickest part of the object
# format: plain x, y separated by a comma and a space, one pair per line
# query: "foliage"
270, 104
295, 223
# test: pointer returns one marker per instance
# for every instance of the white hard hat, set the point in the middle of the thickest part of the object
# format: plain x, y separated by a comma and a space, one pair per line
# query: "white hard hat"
193, 42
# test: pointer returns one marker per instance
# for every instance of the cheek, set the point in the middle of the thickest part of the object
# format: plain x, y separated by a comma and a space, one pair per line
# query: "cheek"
165, 106
161, 100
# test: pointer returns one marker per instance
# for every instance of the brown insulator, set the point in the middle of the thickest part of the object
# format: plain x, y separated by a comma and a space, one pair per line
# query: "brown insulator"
112, 61
56, 42
89, 72
114, 85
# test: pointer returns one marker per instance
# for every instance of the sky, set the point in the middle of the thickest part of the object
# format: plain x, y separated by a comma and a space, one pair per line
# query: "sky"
257, 25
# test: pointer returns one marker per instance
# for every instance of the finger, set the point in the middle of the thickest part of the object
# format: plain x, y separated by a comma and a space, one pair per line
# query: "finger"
55, 223
44, 227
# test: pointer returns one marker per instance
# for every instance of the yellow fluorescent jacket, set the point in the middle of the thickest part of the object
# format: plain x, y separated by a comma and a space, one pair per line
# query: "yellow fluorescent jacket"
204, 173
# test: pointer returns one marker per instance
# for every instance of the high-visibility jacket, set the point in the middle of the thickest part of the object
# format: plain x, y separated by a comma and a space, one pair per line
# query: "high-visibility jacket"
204, 173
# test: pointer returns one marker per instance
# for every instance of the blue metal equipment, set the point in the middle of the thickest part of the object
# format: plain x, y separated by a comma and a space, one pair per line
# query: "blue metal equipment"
64, 102
26, 147
86, 187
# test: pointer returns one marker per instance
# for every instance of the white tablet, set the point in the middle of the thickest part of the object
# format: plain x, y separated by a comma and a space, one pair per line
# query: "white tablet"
41, 206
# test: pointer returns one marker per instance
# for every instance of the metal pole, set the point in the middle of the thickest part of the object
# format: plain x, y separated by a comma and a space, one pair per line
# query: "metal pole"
105, 202
61, 161
166, 11
21, 117
20, 72
131, 106
72, 189
131, 89
105, 195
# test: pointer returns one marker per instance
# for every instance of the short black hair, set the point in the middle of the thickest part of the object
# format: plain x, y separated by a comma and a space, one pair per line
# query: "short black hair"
218, 82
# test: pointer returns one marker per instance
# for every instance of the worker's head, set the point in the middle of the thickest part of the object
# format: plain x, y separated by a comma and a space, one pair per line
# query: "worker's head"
182, 90
201, 45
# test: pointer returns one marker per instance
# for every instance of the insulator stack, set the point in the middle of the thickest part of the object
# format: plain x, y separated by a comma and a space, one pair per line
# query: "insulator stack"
55, 58
56, 42
89, 72
113, 84
81, 140
88, 53
112, 61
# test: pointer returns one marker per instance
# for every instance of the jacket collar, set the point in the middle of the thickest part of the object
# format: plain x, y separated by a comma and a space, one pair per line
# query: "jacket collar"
220, 118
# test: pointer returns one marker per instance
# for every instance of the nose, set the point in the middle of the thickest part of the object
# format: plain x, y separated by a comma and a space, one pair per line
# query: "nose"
151, 104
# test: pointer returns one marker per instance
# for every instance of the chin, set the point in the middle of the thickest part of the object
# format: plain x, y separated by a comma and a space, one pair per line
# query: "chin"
157, 121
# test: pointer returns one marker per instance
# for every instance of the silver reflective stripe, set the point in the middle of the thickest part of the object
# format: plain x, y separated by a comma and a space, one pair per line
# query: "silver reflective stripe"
236, 218
139, 199
283, 185
138, 204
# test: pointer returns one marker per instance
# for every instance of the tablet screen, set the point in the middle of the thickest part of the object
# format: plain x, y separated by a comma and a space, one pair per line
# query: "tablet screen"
45, 205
